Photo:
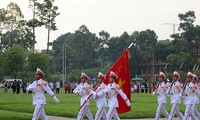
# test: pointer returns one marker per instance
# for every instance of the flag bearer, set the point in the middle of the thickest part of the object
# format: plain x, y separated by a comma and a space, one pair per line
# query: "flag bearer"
112, 90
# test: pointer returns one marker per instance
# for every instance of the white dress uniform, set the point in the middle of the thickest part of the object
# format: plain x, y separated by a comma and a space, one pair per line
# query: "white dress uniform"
38, 88
84, 89
161, 100
101, 102
188, 99
175, 100
112, 91
196, 97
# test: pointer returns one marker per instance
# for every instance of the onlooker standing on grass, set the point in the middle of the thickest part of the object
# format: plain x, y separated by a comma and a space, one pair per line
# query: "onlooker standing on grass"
72, 87
18, 86
38, 87
65, 87
14, 86
146, 86
135, 87
57, 87
162, 100
24, 87
68, 87
28, 85
6, 87
51, 85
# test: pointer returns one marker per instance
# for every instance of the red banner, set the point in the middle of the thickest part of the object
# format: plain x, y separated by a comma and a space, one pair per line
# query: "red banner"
122, 69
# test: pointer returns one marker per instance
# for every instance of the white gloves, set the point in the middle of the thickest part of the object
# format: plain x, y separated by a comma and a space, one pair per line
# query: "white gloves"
155, 94
55, 99
128, 103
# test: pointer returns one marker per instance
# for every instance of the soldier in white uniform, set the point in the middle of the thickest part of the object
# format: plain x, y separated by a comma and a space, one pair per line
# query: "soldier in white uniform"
112, 90
188, 97
160, 92
173, 92
38, 87
196, 96
83, 90
100, 98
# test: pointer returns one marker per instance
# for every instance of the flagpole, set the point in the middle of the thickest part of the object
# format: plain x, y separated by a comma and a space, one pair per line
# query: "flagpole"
130, 45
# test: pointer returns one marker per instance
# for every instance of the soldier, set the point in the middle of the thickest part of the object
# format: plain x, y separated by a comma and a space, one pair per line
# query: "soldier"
100, 98
84, 89
196, 96
160, 92
38, 87
112, 90
188, 97
173, 92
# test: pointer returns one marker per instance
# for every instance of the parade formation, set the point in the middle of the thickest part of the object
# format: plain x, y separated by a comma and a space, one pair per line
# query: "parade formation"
106, 96
189, 93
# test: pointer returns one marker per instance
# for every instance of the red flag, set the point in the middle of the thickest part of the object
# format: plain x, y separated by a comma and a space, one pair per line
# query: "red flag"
122, 69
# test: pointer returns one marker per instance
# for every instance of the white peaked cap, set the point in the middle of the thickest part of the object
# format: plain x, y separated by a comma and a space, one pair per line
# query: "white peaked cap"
112, 74
162, 75
176, 74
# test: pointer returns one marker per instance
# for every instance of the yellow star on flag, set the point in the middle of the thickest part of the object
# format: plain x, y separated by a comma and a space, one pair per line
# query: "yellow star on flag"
120, 83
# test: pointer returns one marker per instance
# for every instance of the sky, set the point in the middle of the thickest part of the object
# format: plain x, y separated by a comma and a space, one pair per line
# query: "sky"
113, 16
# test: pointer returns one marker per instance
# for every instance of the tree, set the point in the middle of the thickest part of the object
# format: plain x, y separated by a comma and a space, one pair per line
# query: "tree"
2, 64
34, 22
13, 16
15, 58
39, 60
177, 59
47, 13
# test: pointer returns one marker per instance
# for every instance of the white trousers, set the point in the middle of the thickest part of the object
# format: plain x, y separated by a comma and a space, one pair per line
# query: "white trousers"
189, 112
195, 111
101, 113
161, 108
39, 112
112, 112
84, 111
175, 110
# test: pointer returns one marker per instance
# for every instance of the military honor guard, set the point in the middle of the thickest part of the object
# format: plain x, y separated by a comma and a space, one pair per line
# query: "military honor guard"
38, 87
196, 96
83, 90
160, 92
188, 97
100, 98
173, 92
112, 90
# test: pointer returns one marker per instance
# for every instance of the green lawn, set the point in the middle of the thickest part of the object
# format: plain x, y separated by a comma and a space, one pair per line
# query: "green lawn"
14, 106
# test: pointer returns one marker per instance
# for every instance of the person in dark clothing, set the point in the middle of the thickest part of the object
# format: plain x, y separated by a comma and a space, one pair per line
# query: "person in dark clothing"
24, 87
18, 86
14, 86
146, 86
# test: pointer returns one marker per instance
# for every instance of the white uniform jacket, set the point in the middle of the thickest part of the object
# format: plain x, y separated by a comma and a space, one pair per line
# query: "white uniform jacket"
38, 87
101, 98
175, 92
83, 89
161, 90
188, 95
113, 90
